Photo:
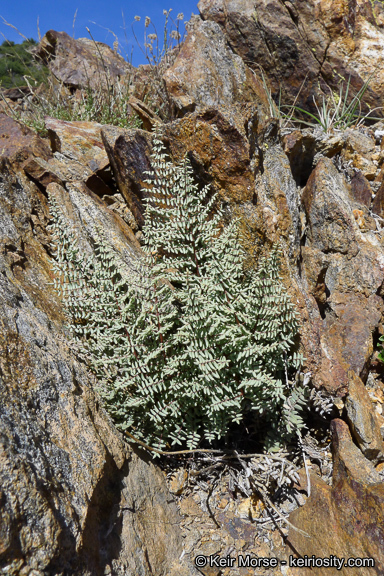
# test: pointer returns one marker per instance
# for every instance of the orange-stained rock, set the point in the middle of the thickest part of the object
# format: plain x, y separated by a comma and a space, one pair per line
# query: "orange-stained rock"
362, 419
80, 142
79, 155
218, 152
345, 520
345, 271
18, 143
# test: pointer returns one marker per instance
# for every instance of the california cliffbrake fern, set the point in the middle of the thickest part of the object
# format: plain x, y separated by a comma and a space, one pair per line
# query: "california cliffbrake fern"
187, 342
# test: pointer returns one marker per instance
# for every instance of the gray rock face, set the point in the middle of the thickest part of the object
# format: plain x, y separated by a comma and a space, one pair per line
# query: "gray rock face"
207, 74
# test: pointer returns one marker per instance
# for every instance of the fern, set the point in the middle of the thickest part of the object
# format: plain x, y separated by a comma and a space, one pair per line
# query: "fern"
186, 343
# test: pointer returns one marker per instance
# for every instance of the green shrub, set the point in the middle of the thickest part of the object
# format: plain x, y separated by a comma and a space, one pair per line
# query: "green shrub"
16, 62
184, 343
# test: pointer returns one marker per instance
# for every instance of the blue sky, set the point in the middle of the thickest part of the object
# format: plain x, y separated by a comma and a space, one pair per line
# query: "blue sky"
97, 15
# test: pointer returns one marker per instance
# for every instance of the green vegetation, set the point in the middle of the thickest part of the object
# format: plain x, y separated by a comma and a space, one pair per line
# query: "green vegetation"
17, 61
104, 105
336, 111
158, 51
381, 352
184, 342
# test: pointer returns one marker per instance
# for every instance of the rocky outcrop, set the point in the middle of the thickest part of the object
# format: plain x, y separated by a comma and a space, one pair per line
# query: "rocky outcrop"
344, 271
305, 46
129, 152
75, 498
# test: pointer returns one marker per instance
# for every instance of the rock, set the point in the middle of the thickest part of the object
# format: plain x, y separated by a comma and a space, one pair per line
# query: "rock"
18, 143
129, 152
78, 155
348, 460
305, 147
345, 520
207, 74
349, 276
218, 152
332, 226
299, 43
16, 93
75, 498
148, 117
80, 142
362, 420
360, 189
83, 157
359, 149
378, 202
348, 327
61, 169
266, 35
81, 63
85, 212
178, 481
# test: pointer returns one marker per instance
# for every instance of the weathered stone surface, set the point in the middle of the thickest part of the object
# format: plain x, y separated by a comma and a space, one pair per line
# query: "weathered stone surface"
61, 169
361, 191
18, 143
350, 274
86, 212
75, 499
148, 117
378, 202
345, 520
80, 142
129, 152
81, 63
332, 226
298, 44
362, 419
218, 152
359, 150
207, 74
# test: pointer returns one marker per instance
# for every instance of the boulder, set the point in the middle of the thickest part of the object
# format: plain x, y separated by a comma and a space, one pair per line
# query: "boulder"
219, 153
80, 142
78, 155
81, 63
18, 143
